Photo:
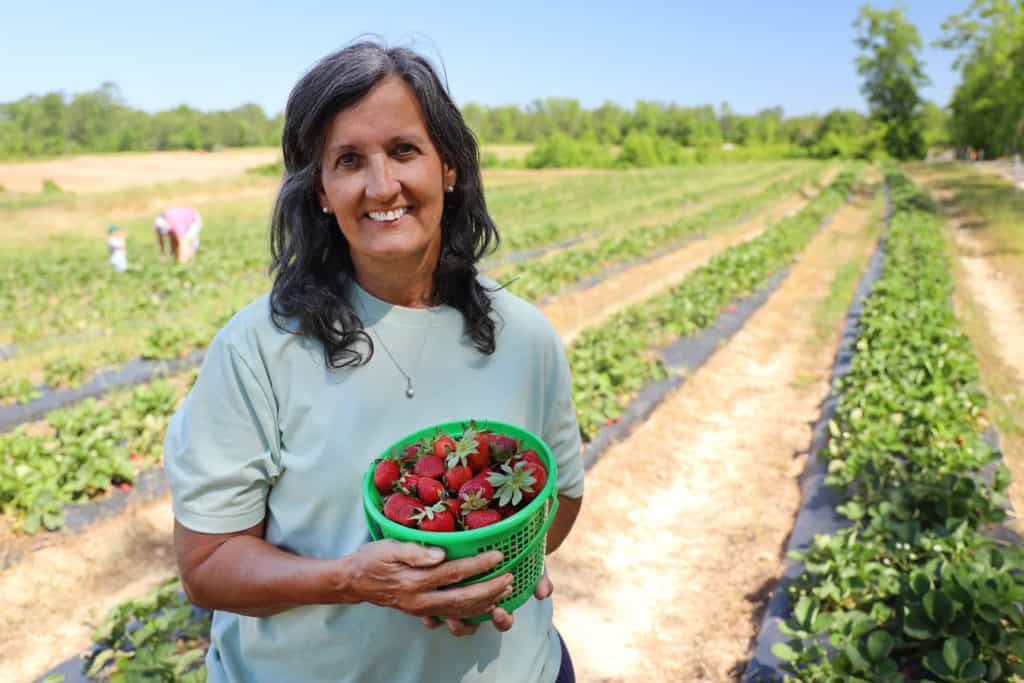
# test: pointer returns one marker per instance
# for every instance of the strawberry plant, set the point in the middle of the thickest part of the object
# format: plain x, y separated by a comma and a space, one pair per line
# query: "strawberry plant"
911, 589
611, 362
159, 637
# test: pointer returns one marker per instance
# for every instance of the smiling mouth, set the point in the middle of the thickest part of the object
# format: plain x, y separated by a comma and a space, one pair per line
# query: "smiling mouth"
389, 216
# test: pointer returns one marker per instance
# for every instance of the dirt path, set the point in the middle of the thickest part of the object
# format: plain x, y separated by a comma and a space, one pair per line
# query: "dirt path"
104, 172
577, 310
667, 582
54, 598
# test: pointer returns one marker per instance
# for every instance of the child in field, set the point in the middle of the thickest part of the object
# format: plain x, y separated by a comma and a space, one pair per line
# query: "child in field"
181, 225
118, 246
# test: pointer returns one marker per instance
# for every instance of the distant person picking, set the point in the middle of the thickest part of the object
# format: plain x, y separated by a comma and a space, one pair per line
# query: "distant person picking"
118, 246
181, 225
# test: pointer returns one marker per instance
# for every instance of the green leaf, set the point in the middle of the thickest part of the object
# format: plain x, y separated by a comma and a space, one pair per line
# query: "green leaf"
879, 645
939, 608
784, 652
857, 657
99, 662
934, 662
973, 670
956, 652
917, 625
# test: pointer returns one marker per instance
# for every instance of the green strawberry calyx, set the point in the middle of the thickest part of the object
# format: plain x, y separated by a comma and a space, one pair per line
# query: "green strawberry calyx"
429, 511
510, 483
463, 449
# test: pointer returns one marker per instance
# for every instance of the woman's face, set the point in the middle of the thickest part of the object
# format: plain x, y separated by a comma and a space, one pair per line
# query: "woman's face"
384, 180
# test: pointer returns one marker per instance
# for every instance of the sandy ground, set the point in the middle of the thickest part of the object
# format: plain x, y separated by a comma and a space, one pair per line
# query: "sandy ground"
54, 599
105, 172
1002, 168
668, 582
572, 313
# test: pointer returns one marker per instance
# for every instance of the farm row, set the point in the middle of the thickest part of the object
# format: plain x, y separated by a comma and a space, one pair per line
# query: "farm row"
68, 316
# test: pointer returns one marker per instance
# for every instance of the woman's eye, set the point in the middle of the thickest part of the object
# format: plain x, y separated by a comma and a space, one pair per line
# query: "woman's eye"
405, 149
348, 160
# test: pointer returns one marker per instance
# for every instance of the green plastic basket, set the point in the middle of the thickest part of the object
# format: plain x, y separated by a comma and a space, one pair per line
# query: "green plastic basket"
520, 538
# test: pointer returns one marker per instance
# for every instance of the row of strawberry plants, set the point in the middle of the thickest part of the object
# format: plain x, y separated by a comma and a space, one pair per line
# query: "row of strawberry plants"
611, 362
85, 452
912, 589
536, 279
101, 311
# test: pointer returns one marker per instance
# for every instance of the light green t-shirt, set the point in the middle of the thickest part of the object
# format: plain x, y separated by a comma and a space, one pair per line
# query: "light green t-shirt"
269, 430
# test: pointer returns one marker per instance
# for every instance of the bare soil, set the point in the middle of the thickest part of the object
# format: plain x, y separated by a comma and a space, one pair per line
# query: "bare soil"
105, 172
670, 584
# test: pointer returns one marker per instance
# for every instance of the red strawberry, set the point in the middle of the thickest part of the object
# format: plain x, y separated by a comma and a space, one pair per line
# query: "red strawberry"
455, 477
453, 506
409, 483
507, 511
442, 445
480, 518
385, 474
503, 448
401, 508
479, 485
411, 452
435, 518
429, 466
430, 490
531, 456
125, 486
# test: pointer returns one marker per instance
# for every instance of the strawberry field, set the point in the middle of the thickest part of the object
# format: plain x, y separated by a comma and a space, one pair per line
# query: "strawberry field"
914, 587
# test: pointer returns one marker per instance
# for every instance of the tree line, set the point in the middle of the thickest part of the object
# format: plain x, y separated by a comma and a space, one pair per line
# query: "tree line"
986, 111
99, 121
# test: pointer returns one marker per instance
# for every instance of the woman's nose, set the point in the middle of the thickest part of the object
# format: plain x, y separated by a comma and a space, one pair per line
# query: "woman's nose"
381, 184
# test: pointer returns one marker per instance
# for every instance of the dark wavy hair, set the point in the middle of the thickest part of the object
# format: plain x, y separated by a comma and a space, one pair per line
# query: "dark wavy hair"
310, 259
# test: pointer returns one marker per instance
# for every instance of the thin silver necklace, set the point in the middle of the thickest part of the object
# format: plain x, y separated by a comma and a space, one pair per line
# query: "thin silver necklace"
409, 390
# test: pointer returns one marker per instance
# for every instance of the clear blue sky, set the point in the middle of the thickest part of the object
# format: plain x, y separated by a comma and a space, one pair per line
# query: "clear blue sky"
219, 54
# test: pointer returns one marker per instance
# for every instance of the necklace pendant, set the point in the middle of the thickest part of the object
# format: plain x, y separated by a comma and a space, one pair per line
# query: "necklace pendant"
409, 393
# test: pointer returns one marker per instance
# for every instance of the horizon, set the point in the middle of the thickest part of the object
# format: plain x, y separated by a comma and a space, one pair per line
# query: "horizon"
674, 52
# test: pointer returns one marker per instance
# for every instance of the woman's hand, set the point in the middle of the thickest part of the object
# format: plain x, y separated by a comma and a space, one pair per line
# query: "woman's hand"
501, 619
409, 578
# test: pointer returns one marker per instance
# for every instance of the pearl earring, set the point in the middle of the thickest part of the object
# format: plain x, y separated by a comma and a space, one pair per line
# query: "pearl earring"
449, 188
325, 209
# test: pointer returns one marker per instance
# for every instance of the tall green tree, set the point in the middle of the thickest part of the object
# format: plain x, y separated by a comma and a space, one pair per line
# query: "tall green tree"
987, 110
893, 73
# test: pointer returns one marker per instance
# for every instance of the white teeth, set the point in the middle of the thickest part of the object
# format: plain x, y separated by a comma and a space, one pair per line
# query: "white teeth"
392, 215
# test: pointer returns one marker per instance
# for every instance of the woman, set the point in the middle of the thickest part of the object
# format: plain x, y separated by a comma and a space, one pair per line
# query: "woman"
376, 233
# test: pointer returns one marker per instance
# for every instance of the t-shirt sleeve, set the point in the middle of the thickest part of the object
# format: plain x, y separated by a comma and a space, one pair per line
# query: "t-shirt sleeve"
222, 450
561, 430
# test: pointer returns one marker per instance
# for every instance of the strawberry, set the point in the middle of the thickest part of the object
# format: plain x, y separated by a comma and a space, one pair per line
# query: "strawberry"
401, 508
411, 452
455, 477
481, 518
430, 490
478, 448
503, 448
429, 466
507, 511
385, 474
516, 484
531, 456
125, 486
435, 518
409, 483
453, 506
442, 444
479, 485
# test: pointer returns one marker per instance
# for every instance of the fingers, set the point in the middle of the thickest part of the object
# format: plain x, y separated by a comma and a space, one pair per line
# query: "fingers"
414, 554
459, 628
457, 570
430, 622
501, 619
544, 588
465, 601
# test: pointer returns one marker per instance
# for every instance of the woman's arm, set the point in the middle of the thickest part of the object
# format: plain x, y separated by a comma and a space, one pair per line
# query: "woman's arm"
568, 510
242, 573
